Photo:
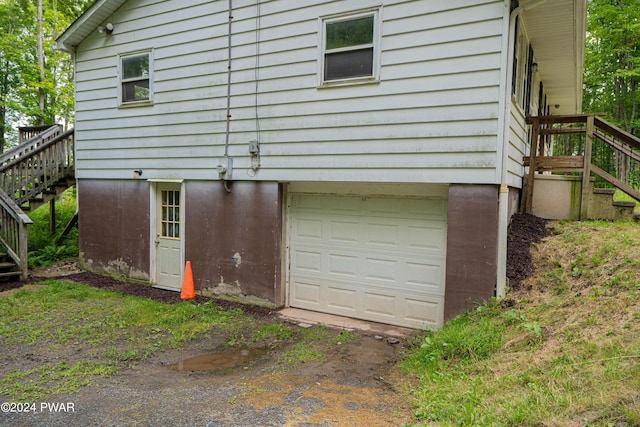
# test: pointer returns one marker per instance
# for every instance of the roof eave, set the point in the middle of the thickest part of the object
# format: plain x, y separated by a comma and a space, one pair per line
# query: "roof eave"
87, 22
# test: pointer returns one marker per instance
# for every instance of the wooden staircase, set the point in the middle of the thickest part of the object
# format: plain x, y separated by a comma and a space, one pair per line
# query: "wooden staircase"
31, 174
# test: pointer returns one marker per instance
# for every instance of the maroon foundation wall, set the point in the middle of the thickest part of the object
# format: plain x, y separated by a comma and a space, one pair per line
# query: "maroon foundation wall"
472, 238
514, 201
233, 239
113, 226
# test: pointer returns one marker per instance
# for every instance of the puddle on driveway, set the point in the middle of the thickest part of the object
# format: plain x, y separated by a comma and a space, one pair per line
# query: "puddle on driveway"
221, 360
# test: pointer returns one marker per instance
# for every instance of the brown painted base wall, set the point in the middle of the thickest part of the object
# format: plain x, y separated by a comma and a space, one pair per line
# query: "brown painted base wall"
113, 227
471, 247
232, 239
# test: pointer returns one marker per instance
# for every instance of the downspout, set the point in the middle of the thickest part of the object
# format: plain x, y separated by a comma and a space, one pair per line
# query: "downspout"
225, 165
503, 196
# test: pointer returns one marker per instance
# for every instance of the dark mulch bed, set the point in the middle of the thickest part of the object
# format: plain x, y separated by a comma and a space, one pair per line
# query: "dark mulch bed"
523, 230
139, 290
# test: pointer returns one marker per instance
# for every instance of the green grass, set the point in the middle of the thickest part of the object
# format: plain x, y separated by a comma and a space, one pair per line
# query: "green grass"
311, 343
93, 332
272, 332
564, 351
301, 352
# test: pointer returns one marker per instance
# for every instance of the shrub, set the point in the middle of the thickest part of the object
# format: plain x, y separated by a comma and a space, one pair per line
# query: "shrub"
43, 249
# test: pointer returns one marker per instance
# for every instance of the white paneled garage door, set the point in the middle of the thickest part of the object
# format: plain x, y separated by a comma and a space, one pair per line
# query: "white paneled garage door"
377, 258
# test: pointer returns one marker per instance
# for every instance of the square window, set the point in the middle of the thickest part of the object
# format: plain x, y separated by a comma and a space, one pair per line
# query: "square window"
135, 78
350, 48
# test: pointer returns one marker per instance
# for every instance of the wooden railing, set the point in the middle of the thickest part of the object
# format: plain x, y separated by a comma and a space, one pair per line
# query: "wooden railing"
37, 166
30, 169
30, 140
13, 232
29, 132
584, 144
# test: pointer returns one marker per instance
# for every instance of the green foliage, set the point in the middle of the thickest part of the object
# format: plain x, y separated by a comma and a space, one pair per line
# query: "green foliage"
611, 80
43, 249
21, 80
612, 61
347, 33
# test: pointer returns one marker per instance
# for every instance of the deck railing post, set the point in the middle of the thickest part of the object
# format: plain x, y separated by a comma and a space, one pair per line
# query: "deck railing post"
23, 251
535, 133
586, 170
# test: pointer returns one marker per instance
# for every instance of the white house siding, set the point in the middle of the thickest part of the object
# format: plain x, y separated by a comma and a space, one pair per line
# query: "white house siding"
432, 118
518, 141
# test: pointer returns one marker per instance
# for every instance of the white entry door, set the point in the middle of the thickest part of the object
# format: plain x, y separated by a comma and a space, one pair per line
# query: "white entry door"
168, 235
369, 257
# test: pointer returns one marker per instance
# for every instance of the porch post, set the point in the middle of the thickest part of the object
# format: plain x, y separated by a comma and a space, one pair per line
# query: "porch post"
52, 216
532, 163
586, 170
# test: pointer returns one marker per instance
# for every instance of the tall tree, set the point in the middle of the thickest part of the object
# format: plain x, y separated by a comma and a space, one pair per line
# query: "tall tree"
40, 36
14, 31
612, 60
36, 82
612, 66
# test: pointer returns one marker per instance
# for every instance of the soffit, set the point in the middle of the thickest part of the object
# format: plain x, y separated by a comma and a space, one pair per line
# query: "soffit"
556, 30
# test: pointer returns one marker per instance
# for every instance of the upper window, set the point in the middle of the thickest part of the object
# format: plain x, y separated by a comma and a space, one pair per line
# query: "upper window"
135, 78
350, 48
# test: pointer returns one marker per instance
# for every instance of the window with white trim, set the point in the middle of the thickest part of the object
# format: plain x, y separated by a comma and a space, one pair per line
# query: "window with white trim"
350, 47
135, 72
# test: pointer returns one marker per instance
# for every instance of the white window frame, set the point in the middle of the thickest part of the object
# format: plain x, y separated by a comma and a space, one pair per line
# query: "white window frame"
121, 80
376, 12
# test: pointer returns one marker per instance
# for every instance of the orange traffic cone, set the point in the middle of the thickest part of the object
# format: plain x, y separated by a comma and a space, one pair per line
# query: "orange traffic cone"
188, 290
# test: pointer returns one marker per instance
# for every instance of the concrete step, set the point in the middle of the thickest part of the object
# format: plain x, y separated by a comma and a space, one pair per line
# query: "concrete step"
602, 206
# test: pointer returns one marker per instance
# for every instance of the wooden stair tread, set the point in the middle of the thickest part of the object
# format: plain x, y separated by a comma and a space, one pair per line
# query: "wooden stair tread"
7, 264
10, 274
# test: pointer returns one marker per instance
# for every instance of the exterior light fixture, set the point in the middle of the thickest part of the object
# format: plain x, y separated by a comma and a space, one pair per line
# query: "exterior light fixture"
108, 29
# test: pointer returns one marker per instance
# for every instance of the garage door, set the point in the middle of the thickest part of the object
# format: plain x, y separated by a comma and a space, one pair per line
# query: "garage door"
373, 258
